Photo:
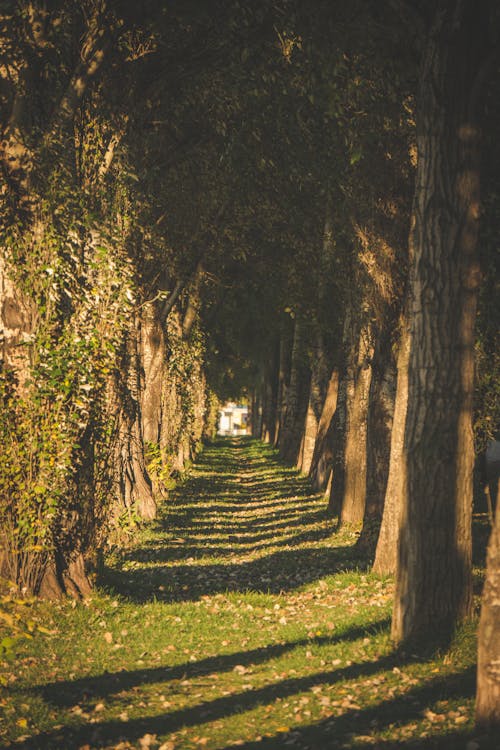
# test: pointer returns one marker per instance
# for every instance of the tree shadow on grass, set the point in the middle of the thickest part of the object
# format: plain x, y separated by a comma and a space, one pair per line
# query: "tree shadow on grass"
338, 732
203, 541
330, 733
94, 689
196, 527
276, 573
449, 741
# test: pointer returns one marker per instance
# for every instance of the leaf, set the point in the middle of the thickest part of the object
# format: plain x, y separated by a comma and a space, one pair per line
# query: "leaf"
356, 156
43, 629
7, 644
8, 618
146, 741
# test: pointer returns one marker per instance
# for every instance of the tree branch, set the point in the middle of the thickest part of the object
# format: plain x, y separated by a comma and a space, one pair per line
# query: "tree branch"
195, 267
95, 45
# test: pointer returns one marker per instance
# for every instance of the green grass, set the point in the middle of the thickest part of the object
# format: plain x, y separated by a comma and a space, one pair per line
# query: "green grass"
239, 618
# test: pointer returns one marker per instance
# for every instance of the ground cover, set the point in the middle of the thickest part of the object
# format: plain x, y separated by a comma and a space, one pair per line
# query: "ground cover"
241, 617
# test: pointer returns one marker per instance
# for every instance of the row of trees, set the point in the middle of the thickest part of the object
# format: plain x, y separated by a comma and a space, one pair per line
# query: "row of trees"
382, 415
103, 390
205, 199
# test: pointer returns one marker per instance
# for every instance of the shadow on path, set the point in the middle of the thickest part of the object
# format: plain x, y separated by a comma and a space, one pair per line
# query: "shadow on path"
240, 522
330, 733
244, 522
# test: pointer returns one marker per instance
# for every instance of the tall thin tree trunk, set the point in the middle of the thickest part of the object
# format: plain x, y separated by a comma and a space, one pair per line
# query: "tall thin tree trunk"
433, 587
338, 430
320, 364
353, 502
321, 463
270, 386
317, 395
132, 475
153, 360
256, 413
297, 396
379, 427
387, 546
285, 347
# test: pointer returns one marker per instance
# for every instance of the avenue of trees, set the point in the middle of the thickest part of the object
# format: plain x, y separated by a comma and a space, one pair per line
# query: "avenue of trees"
296, 201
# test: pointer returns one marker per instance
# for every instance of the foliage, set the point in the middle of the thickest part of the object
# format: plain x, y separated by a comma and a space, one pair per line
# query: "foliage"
57, 429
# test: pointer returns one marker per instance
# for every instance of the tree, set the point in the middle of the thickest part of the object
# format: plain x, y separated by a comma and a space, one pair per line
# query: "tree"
433, 589
57, 345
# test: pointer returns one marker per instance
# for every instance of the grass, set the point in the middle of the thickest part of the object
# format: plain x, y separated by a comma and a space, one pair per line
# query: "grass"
239, 618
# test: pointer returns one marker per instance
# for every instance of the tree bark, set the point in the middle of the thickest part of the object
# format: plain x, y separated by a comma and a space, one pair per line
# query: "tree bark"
488, 667
317, 395
153, 359
135, 487
354, 499
379, 428
387, 546
296, 397
285, 347
338, 431
321, 463
433, 586
256, 414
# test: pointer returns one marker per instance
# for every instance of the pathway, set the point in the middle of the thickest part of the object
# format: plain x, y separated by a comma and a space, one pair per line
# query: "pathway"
238, 619
241, 522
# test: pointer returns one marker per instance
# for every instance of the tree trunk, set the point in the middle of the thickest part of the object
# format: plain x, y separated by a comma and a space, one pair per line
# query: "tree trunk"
387, 545
65, 577
488, 668
433, 587
270, 388
153, 359
321, 463
134, 483
256, 414
317, 395
268, 412
348, 489
18, 320
296, 398
353, 502
380, 419
283, 380
338, 429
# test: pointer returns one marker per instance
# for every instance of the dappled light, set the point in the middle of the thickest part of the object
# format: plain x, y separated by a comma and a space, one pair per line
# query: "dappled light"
249, 374
206, 640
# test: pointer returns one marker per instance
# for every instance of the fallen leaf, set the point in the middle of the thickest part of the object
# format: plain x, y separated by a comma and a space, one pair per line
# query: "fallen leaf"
147, 740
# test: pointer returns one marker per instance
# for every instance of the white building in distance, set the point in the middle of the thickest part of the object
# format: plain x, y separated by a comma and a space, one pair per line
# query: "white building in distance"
233, 419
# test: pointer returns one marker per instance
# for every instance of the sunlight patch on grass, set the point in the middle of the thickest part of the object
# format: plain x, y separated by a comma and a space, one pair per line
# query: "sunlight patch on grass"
220, 628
